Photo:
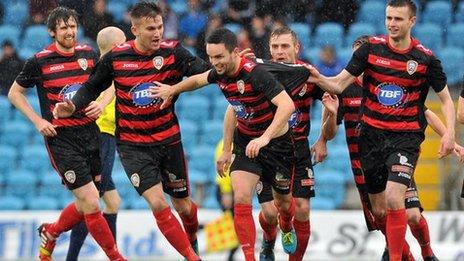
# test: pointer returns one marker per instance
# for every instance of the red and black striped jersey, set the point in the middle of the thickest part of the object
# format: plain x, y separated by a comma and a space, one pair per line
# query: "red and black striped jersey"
252, 88
58, 76
396, 83
139, 119
349, 110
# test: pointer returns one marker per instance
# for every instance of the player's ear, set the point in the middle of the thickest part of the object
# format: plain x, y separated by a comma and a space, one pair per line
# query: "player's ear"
51, 33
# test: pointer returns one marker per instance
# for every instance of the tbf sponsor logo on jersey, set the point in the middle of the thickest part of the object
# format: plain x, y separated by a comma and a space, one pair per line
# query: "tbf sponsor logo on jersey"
68, 92
294, 119
240, 110
141, 96
390, 94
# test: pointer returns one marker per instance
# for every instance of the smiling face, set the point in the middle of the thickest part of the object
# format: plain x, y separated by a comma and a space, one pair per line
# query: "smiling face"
399, 22
65, 34
223, 61
148, 32
284, 48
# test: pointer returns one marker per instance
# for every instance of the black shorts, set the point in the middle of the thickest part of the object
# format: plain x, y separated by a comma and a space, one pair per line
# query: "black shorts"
275, 162
303, 182
107, 154
75, 155
146, 166
411, 199
388, 156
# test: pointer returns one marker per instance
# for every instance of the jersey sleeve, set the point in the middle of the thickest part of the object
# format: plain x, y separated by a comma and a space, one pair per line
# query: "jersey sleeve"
100, 79
291, 76
30, 74
358, 62
435, 75
341, 109
189, 64
213, 76
263, 81
462, 89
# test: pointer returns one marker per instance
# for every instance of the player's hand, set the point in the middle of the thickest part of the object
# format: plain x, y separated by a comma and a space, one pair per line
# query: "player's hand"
253, 147
330, 102
94, 110
223, 163
162, 91
227, 200
319, 151
459, 152
314, 73
247, 53
45, 128
63, 109
446, 145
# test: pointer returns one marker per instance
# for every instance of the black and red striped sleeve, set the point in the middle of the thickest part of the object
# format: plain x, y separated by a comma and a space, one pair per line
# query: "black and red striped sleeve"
341, 108
436, 77
190, 64
213, 76
30, 74
100, 79
262, 80
358, 62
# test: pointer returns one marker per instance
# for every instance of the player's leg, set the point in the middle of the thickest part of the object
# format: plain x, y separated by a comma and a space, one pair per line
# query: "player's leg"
267, 220
143, 169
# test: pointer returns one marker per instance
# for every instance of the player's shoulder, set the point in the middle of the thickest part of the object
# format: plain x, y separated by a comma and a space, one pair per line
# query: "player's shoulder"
122, 47
83, 47
169, 44
378, 39
420, 47
45, 52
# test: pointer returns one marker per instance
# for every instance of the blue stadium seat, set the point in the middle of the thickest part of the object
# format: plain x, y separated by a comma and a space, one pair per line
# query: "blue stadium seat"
35, 159
195, 107
117, 10
202, 159
322, 203
36, 37
312, 55
459, 16
138, 203
5, 108
330, 183
344, 55
356, 30
21, 183
42, 203
123, 185
10, 33
16, 134
11, 203
303, 33
197, 177
189, 133
212, 132
438, 12
235, 28
16, 13
219, 108
372, 12
453, 59
179, 6
329, 34
210, 203
50, 185
26, 53
455, 34
210, 91
429, 35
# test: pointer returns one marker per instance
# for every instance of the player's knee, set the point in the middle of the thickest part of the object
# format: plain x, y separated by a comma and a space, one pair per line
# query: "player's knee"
112, 203
302, 209
181, 205
413, 217
270, 214
379, 213
90, 204
395, 198
242, 198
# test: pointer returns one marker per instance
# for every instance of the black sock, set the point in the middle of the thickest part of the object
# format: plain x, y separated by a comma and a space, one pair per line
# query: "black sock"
78, 234
111, 219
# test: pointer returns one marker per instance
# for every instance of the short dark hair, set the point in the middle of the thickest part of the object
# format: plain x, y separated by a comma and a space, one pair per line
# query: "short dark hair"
145, 9
223, 36
60, 14
284, 30
360, 40
400, 3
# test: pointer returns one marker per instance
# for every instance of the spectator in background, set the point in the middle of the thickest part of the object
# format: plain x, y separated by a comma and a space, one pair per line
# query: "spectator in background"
239, 11
329, 64
10, 66
259, 35
125, 24
339, 11
80, 6
192, 23
214, 22
39, 9
96, 19
243, 40
170, 20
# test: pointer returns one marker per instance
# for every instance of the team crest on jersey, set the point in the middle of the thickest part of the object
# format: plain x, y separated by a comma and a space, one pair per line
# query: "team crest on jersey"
70, 176
241, 86
135, 180
83, 63
411, 66
303, 90
158, 62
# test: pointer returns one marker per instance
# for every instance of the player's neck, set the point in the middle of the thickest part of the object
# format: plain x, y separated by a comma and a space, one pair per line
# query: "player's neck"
400, 44
237, 62
63, 49
141, 48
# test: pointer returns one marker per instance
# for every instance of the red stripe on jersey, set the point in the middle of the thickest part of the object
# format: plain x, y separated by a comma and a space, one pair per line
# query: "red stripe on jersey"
355, 164
353, 148
352, 102
359, 179
71, 122
55, 97
156, 137
132, 81
391, 125
123, 95
393, 64
62, 67
408, 83
137, 110
261, 119
146, 124
351, 117
408, 111
246, 131
60, 83
139, 65
350, 133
